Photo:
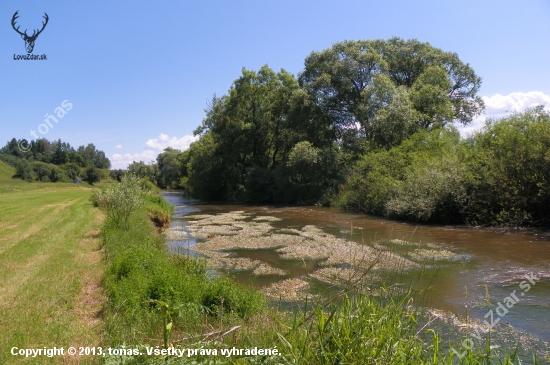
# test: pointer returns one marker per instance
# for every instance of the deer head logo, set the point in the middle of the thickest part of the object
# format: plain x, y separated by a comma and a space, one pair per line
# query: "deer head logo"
29, 40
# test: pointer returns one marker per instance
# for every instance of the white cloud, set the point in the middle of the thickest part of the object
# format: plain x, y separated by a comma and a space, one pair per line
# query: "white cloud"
497, 106
155, 146
163, 141
119, 146
121, 161
514, 102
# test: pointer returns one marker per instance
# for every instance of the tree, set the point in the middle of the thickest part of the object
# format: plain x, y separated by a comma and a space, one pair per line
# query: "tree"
509, 163
383, 91
72, 170
94, 157
250, 127
168, 163
116, 174
60, 153
92, 175
141, 170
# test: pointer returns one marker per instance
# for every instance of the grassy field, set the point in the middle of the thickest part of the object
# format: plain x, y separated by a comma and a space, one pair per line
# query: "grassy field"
50, 268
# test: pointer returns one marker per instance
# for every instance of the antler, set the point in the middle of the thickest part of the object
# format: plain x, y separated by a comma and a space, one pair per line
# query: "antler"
13, 19
34, 34
43, 25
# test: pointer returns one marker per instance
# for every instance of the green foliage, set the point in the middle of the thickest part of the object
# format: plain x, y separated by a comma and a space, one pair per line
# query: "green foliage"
275, 138
209, 176
368, 125
431, 191
143, 170
312, 171
223, 293
498, 176
92, 175
386, 90
54, 161
509, 170
6, 172
55, 152
170, 164
158, 208
250, 128
360, 329
116, 174
260, 184
142, 276
421, 180
365, 329
72, 170
121, 200
147, 185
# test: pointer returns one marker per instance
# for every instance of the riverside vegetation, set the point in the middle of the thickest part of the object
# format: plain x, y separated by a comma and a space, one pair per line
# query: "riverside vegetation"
368, 125
140, 294
157, 298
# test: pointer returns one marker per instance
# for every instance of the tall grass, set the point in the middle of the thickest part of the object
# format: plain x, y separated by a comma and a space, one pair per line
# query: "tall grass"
364, 329
147, 287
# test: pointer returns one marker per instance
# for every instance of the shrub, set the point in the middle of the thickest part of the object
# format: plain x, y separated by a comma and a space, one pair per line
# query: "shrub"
509, 165
431, 191
422, 179
120, 201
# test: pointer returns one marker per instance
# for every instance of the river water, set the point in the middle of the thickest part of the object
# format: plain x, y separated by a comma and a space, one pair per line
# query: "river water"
500, 260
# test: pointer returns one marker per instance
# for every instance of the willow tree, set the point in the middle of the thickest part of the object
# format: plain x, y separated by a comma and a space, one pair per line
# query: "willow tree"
248, 128
382, 91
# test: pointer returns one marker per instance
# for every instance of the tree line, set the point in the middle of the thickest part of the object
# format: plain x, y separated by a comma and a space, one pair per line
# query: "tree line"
46, 161
368, 125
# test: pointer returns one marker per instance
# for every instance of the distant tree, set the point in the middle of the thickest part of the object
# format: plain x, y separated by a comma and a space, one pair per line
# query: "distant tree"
169, 171
117, 174
94, 157
92, 175
251, 126
141, 170
72, 170
24, 170
60, 153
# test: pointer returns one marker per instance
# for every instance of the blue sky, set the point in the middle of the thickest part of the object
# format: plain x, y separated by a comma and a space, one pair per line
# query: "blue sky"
139, 74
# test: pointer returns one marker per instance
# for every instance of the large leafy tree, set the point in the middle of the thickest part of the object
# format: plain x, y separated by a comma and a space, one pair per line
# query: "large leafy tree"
385, 90
252, 126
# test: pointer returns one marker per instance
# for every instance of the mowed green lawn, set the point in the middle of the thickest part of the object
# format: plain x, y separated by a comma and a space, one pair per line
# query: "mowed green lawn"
50, 269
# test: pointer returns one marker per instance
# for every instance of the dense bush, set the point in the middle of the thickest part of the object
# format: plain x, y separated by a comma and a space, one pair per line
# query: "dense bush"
509, 170
498, 176
418, 180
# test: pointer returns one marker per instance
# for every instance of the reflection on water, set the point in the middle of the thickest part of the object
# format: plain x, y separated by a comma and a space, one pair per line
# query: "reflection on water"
499, 258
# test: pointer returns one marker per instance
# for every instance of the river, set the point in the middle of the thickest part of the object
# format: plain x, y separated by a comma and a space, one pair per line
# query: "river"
499, 260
